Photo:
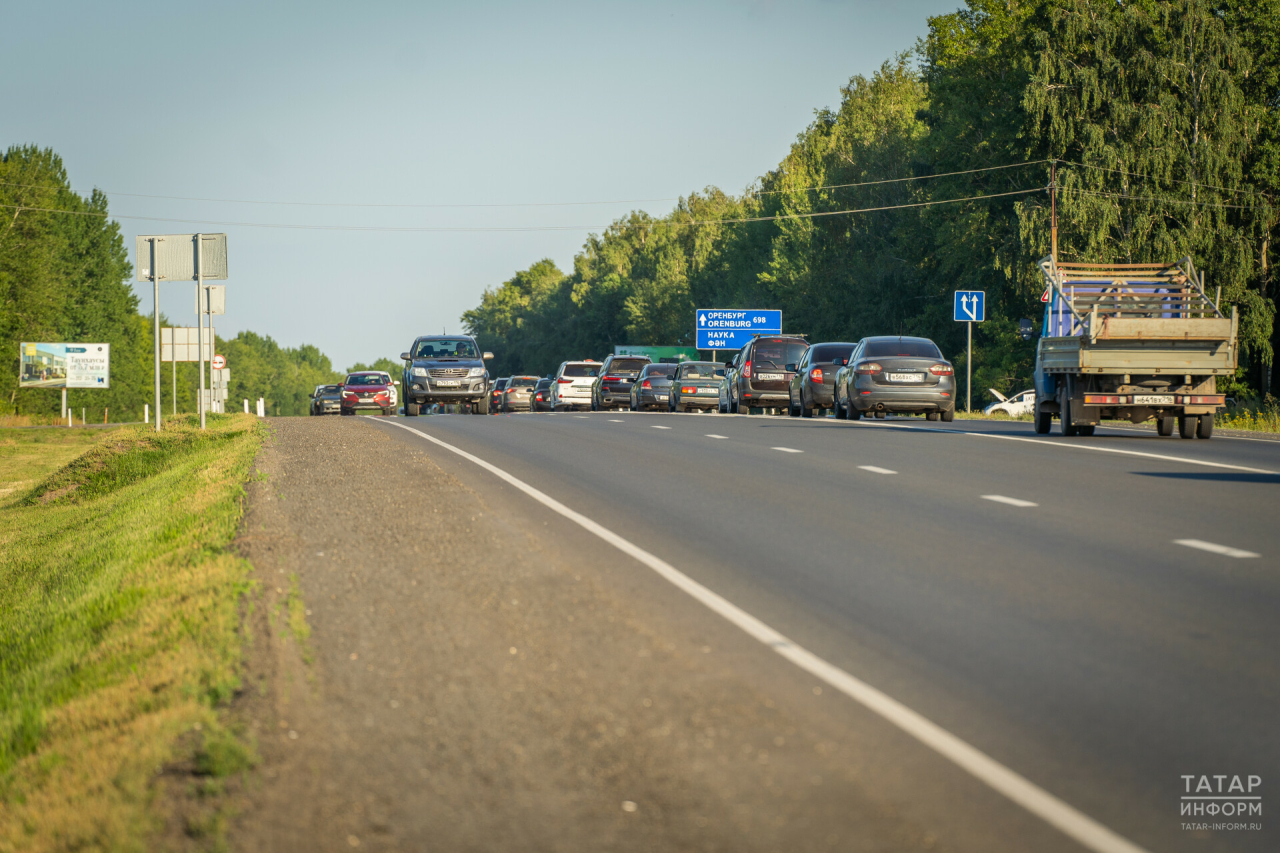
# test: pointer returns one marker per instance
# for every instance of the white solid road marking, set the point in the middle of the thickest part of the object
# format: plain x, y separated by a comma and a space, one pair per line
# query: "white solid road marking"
1017, 788
616, 421
584, 417
713, 435
787, 449
659, 426
1069, 445
1213, 548
876, 469
1001, 499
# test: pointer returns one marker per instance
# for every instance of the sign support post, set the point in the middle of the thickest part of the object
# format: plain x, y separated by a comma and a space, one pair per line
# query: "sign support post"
200, 308
155, 316
968, 373
970, 307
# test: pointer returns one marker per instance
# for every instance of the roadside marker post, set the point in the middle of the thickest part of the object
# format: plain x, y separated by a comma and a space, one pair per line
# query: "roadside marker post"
970, 307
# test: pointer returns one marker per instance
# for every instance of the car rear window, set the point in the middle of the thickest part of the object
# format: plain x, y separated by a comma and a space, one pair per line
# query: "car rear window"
908, 348
627, 365
700, 370
366, 379
544, 383
778, 353
576, 370
660, 370
501, 383
825, 353
523, 382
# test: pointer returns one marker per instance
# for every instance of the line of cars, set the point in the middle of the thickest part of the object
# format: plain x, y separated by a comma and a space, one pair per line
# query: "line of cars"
365, 390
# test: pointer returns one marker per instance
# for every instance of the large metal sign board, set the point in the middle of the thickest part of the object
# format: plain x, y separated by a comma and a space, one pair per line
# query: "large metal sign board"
176, 256
44, 365
731, 328
970, 306
214, 299
183, 343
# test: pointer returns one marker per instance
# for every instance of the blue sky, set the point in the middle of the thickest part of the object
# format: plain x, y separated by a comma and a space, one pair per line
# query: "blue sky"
417, 104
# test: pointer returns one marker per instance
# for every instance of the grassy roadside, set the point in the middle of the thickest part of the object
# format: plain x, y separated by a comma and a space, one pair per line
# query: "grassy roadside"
119, 629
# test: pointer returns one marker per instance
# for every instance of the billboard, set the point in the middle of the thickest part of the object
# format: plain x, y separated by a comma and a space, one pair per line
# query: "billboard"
43, 365
669, 354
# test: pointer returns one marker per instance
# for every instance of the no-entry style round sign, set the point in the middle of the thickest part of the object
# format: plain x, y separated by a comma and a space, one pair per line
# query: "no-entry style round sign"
219, 362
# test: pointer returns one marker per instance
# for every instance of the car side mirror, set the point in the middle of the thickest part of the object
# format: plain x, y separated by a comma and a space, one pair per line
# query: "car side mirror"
487, 356
404, 356
790, 368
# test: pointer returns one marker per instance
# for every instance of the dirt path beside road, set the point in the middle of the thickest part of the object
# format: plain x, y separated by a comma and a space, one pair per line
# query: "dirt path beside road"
467, 685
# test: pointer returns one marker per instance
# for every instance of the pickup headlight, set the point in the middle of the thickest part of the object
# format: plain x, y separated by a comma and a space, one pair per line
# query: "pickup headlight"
476, 371
419, 371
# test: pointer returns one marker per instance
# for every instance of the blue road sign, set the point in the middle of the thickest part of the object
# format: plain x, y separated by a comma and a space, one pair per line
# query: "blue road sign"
970, 307
730, 328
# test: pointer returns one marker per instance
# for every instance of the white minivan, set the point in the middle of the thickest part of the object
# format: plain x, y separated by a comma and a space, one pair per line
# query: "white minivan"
571, 389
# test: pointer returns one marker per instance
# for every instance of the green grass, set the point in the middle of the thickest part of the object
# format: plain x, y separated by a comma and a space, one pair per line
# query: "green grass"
119, 623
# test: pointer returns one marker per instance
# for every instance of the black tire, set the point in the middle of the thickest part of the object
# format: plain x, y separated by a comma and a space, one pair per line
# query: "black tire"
1066, 423
386, 413
805, 411
1187, 426
1164, 425
932, 416
481, 406
948, 415
879, 416
1086, 429
793, 411
1204, 426
1044, 422
853, 413
410, 410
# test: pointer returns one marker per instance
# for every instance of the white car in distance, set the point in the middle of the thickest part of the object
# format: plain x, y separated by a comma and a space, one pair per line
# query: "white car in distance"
1023, 403
571, 388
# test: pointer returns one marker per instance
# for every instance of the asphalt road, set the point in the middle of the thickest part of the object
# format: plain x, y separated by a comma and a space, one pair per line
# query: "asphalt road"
1074, 640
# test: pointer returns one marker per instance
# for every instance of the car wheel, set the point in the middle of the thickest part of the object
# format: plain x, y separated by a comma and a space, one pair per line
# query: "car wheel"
842, 412
792, 409
948, 415
388, 412
1164, 425
1187, 426
1204, 429
480, 407
853, 413
410, 410
932, 416
805, 411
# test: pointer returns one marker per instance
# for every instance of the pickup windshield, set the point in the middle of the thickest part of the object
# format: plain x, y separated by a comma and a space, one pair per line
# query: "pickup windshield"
435, 348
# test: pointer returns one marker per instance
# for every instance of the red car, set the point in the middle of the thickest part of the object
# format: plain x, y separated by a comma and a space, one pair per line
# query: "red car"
368, 390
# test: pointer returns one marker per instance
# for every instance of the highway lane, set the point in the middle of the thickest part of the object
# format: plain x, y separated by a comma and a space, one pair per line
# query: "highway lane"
1073, 641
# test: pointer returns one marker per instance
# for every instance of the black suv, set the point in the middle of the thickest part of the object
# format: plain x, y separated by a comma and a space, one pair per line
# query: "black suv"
759, 377
445, 369
612, 388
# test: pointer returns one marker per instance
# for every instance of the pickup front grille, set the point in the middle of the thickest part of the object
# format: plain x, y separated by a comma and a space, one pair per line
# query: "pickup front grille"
448, 372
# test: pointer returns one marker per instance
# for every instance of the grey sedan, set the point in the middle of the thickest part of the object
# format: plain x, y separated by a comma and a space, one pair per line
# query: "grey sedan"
896, 374
695, 386
813, 386
652, 387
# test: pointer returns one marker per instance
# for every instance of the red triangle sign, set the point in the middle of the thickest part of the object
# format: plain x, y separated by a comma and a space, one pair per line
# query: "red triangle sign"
1044, 297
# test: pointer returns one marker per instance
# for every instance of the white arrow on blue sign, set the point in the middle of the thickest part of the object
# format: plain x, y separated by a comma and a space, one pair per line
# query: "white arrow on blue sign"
970, 306
731, 328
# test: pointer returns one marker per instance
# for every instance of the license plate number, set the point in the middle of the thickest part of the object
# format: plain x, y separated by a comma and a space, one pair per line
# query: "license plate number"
710, 391
765, 377
1153, 399
448, 383
906, 377
662, 397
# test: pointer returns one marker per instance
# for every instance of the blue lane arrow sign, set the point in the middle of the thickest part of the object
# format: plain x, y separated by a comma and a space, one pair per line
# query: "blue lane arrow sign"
970, 306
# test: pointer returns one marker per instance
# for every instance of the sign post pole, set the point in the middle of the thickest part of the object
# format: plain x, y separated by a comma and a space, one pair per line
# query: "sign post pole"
155, 316
968, 373
201, 296
64, 403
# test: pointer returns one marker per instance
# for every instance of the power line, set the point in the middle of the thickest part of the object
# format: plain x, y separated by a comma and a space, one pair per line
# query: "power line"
900, 180
486, 229
1156, 200
1235, 191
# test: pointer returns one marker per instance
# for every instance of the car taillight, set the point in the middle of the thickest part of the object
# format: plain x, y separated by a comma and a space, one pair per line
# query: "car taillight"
816, 374
538, 396
613, 379
510, 390
646, 384
746, 370
941, 370
564, 381
866, 368
688, 390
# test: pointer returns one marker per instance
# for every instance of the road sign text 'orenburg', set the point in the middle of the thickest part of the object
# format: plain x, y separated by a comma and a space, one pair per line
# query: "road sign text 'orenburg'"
730, 328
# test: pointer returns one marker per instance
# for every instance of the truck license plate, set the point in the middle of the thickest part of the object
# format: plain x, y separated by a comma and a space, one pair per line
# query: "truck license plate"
447, 383
1153, 399
906, 377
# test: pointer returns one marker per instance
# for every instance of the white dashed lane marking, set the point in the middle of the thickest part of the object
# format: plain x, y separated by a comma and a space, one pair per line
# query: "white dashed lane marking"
658, 426
874, 469
787, 449
616, 421
1214, 548
1001, 499
713, 435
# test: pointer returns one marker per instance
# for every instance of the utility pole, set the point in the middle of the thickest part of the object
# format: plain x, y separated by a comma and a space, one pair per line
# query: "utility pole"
1053, 212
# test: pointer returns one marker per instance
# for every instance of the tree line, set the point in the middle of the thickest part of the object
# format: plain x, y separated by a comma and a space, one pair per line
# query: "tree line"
1157, 121
64, 277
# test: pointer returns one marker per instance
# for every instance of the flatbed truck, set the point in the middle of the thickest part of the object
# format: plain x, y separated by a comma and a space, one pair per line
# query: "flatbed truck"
1131, 342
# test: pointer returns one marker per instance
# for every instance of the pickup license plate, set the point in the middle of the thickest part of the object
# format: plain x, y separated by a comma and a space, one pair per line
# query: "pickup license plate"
906, 377
1153, 399
766, 377
447, 383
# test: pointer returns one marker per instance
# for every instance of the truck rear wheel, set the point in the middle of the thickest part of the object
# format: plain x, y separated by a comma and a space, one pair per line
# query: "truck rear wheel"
1204, 429
1044, 422
1164, 425
1187, 426
1066, 422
